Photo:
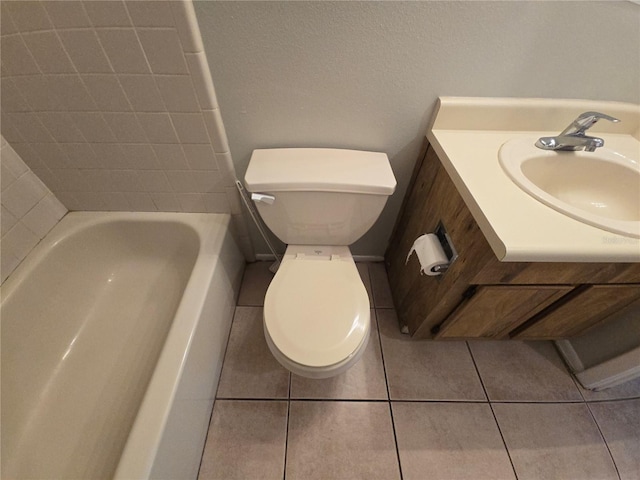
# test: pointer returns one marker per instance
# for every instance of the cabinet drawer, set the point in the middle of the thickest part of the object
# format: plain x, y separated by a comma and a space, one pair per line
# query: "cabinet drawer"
494, 311
582, 312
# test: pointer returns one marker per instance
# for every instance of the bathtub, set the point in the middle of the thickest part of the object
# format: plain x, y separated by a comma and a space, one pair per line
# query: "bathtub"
113, 334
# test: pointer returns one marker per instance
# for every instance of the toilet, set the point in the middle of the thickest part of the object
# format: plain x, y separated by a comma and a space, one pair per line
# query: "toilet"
318, 201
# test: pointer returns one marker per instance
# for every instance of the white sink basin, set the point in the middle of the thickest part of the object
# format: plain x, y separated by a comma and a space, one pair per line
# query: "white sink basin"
600, 188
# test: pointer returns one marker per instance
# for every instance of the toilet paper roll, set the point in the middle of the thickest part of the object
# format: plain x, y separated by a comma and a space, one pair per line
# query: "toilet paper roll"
430, 253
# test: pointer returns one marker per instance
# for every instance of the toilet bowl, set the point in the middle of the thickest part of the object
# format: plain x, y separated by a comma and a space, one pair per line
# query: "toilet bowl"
318, 201
316, 312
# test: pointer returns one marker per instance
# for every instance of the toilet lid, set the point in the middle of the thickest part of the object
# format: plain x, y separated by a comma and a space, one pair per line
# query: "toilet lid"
317, 311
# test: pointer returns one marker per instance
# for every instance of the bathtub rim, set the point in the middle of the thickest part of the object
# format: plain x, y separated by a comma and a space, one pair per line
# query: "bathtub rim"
140, 449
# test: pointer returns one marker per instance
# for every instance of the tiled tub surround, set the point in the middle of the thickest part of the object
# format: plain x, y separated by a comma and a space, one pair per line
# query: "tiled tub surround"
29, 209
115, 367
413, 409
112, 105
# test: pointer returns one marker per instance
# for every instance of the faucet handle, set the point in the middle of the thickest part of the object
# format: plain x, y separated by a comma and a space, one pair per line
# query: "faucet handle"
585, 121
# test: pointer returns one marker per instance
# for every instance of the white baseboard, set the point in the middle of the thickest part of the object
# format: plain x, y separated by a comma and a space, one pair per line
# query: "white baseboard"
613, 372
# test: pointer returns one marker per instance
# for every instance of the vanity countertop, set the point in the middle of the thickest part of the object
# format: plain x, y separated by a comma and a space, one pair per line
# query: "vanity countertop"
467, 134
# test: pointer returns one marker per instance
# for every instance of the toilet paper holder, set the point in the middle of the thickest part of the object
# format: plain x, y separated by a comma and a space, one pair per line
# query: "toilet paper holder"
447, 246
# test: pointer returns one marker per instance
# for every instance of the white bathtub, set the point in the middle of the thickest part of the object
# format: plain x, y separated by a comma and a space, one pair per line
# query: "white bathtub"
113, 334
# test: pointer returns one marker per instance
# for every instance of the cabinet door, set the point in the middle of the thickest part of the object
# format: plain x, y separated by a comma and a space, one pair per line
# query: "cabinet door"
494, 311
582, 312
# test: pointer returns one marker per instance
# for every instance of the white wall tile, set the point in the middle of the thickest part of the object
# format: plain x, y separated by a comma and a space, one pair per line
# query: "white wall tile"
108, 154
12, 99
177, 93
23, 194
7, 221
208, 181
141, 202
85, 51
141, 156
200, 156
190, 127
35, 89
93, 127
19, 241
61, 126
47, 50
13, 162
66, 14
181, 181
108, 107
154, 181
107, 93
191, 202
166, 202
29, 16
150, 13
142, 92
98, 180
158, 127
116, 201
7, 26
125, 127
9, 262
44, 216
53, 153
126, 181
16, 58
107, 13
216, 202
170, 157
92, 201
163, 50
81, 155
71, 93
124, 50
30, 126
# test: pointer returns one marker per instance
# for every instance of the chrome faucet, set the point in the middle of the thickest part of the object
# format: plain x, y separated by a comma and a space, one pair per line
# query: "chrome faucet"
573, 137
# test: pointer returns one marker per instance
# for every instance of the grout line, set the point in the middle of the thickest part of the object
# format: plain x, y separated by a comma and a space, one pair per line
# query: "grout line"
386, 382
604, 440
226, 348
495, 419
286, 438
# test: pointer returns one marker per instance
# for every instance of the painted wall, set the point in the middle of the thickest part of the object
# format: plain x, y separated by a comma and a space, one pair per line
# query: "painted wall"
111, 105
366, 75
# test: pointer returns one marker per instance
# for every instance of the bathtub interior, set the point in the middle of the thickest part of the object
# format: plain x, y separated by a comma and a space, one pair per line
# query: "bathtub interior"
77, 363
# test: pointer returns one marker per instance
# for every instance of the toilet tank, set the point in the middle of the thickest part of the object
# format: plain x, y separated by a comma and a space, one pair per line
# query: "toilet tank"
321, 196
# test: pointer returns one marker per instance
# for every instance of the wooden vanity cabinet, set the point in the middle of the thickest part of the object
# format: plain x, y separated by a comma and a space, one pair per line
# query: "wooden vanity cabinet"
479, 296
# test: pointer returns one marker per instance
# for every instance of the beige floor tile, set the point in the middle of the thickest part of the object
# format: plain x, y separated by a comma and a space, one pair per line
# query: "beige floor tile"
341, 441
620, 425
380, 286
246, 440
255, 282
630, 389
426, 370
523, 371
364, 381
363, 270
450, 441
554, 441
249, 369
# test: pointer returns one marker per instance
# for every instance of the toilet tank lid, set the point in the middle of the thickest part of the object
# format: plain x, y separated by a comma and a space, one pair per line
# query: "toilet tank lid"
319, 170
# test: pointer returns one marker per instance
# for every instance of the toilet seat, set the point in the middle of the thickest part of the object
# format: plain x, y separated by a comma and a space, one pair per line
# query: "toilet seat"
316, 313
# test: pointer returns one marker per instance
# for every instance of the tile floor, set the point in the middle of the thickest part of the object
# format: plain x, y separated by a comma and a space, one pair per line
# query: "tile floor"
413, 409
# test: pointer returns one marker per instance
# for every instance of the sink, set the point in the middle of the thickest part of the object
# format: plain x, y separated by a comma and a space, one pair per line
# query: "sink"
600, 188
